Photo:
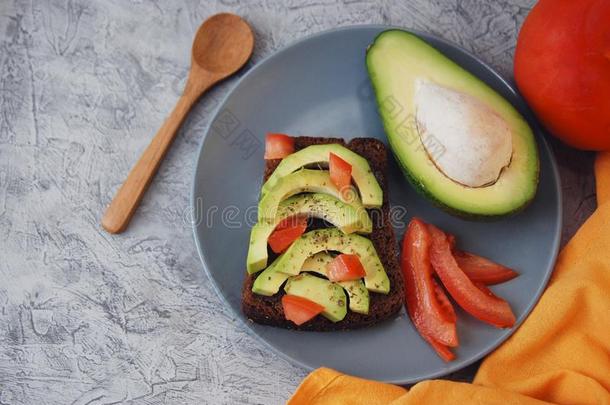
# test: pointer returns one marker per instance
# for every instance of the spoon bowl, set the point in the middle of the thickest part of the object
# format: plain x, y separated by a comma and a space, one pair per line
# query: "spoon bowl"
223, 44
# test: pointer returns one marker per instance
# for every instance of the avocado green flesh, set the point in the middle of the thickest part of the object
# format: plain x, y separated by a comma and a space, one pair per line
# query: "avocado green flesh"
355, 289
321, 291
323, 206
269, 282
395, 61
370, 190
307, 181
313, 242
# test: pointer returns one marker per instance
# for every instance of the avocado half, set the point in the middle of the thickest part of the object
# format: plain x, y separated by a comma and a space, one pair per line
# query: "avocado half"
398, 62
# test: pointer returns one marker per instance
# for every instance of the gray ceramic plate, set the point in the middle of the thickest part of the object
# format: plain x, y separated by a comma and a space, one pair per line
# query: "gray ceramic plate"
319, 87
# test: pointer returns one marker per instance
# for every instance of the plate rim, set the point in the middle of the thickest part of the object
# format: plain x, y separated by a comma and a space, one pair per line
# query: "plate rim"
539, 133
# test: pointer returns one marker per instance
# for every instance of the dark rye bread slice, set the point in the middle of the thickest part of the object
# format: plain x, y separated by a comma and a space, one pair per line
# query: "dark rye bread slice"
268, 310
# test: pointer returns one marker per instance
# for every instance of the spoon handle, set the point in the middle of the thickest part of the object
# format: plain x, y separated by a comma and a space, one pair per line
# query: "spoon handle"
121, 209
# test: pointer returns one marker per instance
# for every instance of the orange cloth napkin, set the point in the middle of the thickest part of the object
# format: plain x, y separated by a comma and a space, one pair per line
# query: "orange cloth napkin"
560, 355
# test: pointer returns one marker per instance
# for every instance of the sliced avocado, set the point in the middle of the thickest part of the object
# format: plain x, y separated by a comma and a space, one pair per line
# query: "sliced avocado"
458, 141
320, 240
359, 299
317, 263
324, 206
307, 181
321, 291
370, 190
356, 290
269, 282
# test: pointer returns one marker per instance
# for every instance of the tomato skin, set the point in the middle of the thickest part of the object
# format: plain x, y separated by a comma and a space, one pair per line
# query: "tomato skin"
442, 350
421, 302
487, 291
300, 310
447, 309
562, 67
452, 241
479, 268
495, 312
278, 146
345, 267
482, 270
286, 232
340, 172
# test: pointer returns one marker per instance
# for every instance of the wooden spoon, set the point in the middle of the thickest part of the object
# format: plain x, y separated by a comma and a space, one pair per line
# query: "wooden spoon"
222, 45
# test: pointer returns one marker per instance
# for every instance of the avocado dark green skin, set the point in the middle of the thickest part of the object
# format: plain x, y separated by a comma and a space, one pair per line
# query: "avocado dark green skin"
451, 210
417, 185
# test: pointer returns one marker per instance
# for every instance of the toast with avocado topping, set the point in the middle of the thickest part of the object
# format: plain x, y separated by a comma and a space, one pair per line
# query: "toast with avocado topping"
301, 268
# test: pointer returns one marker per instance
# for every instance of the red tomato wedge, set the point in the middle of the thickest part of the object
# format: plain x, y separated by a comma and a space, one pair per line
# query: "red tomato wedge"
487, 291
479, 268
443, 300
300, 310
482, 270
340, 172
278, 146
449, 314
345, 267
496, 312
422, 304
442, 350
287, 231
451, 239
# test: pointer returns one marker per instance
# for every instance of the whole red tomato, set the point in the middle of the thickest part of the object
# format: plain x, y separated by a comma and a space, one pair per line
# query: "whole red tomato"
562, 67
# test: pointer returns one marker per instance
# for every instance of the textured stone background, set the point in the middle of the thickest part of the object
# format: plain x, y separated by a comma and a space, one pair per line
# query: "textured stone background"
89, 318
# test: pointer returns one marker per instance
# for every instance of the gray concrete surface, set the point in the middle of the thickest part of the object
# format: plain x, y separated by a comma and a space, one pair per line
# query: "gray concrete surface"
90, 318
